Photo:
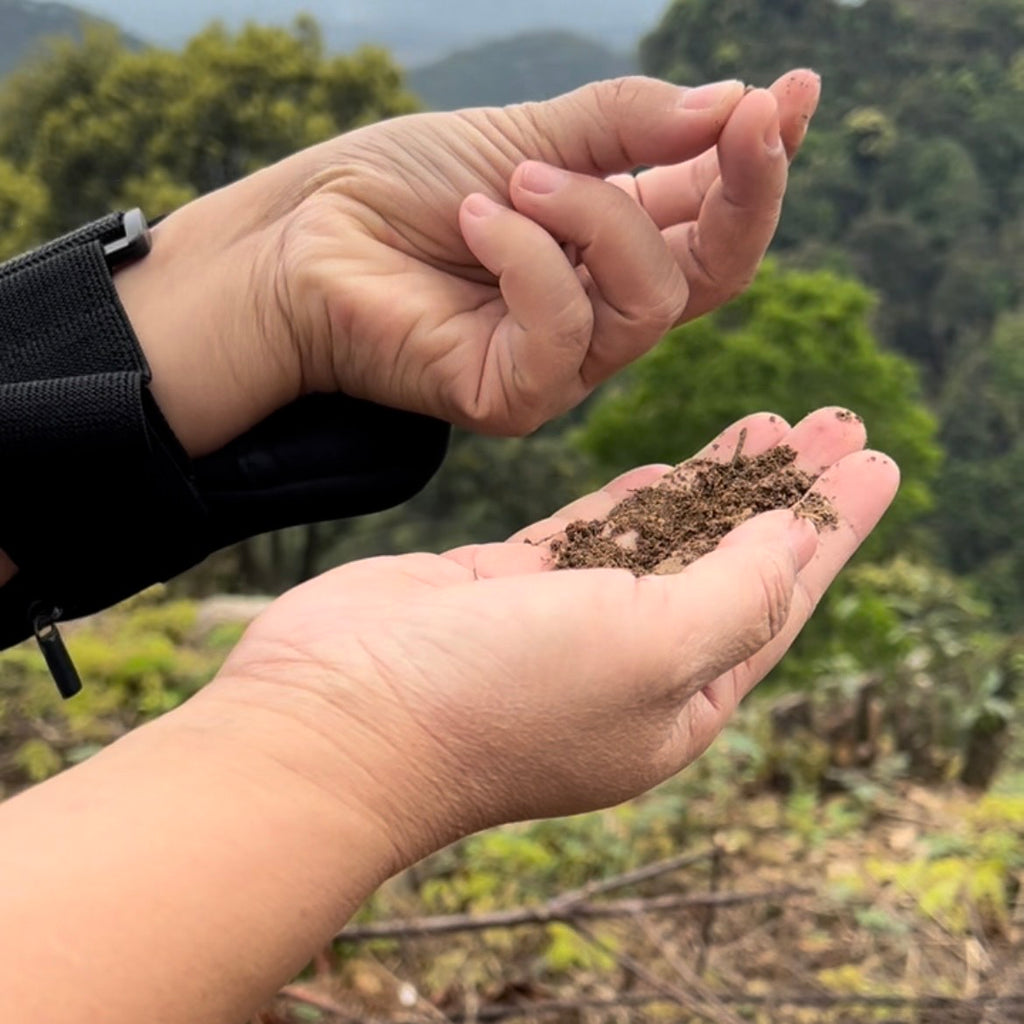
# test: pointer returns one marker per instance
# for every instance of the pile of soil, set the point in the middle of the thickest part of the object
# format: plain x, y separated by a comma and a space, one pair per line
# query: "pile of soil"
663, 528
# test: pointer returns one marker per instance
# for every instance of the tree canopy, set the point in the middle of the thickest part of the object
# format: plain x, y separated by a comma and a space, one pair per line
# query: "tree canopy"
96, 126
909, 181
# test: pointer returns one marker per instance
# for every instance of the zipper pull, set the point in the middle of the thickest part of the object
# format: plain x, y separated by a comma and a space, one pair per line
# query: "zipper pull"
58, 660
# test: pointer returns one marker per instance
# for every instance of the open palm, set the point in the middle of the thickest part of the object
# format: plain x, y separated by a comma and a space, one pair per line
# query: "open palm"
495, 690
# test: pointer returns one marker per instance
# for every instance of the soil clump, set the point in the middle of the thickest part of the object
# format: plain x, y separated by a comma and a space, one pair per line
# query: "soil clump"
663, 528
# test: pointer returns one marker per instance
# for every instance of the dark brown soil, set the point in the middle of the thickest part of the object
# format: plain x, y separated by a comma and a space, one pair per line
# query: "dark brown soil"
663, 528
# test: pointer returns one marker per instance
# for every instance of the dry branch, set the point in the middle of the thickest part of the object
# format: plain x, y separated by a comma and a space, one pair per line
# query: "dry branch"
691, 979
558, 910
647, 873
948, 1006
701, 1003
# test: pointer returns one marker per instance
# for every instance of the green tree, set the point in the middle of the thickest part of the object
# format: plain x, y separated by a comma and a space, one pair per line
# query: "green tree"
794, 341
98, 126
912, 170
919, 643
984, 474
24, 204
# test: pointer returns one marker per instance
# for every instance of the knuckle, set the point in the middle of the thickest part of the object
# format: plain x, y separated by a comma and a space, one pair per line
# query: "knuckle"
669, 305
526, 418
619, 94
573, 325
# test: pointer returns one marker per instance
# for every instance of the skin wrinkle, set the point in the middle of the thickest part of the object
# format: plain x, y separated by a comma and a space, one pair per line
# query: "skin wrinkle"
395, 687
529, 123
362, 181
268, 326
495, 353
370, 727
606, 105
513, 155
693, 248
775, 581
289, 711
384, 823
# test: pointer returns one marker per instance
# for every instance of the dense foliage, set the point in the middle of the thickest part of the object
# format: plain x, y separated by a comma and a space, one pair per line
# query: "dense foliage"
911, 181
98, 126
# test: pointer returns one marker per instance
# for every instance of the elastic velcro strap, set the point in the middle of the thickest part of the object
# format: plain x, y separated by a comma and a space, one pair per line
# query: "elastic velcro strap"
101, 501
91, 471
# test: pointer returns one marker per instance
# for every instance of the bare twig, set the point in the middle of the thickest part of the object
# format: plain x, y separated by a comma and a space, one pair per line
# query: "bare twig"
688, 976
310, 997
708, 924
343, 1015
680, 996
555, 910
645, 874
738, 454
488, 1014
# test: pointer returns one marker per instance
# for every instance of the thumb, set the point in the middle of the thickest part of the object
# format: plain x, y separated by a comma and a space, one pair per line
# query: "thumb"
723, 608
658, 640
622, 123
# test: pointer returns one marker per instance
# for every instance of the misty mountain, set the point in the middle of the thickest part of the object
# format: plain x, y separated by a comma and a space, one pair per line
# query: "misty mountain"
415, 31
24, 25
534, 66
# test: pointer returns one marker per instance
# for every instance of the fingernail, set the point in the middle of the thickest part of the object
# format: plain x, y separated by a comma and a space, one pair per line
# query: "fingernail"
542, 179
773, 135
479, 205
706, 96
802, 538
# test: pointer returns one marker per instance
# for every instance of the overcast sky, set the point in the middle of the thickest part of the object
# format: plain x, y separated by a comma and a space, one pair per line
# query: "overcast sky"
415, 30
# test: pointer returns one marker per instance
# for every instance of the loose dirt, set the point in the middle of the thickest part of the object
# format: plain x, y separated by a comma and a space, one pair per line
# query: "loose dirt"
663, 528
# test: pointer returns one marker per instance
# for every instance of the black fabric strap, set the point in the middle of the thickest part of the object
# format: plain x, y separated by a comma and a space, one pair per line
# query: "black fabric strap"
85, 454
100, 498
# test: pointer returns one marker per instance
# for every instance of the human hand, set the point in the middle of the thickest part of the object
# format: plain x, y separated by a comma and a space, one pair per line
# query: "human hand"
448, 264
444, 694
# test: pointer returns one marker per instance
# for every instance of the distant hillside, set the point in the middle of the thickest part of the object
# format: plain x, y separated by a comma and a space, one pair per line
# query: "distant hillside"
532, 66
415, 31
24, 25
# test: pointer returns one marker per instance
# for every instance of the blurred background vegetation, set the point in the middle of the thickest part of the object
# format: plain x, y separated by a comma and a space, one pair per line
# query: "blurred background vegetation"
895, 287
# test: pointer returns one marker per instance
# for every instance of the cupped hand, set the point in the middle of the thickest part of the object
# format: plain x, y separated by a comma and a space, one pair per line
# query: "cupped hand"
489, 266
448, 693
477, 266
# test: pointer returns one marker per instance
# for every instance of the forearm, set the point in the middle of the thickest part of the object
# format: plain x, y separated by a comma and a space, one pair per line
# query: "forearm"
183, 874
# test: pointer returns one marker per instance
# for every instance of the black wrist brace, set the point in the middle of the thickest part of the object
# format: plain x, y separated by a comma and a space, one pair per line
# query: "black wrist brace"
101, 499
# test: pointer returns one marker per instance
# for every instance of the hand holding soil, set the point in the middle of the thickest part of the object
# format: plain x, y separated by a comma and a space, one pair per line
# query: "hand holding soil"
662, 528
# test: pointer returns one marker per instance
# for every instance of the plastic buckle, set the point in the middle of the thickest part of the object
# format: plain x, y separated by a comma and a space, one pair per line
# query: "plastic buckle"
132, 244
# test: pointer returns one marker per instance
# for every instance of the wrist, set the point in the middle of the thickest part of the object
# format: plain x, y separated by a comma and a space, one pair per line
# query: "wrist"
367, 754
296, 758
203, 308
